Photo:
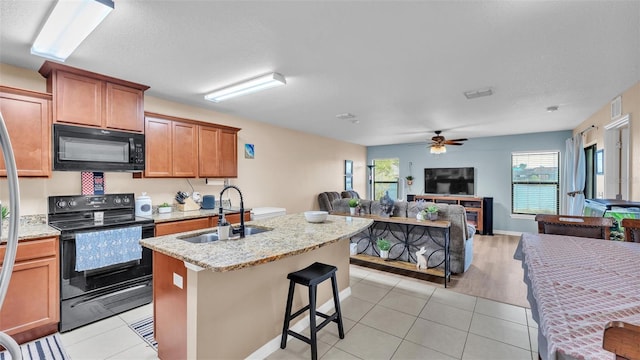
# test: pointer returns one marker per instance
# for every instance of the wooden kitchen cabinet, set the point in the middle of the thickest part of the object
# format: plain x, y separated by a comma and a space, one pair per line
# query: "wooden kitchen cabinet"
185, 149
84, 98
32, 306
177, 147
157, 137
171, 147
27, 115
218, 152
174, 227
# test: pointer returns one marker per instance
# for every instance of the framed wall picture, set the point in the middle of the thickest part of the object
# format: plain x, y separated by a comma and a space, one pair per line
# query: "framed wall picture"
348, 167
348, 182
249, 151
600, 162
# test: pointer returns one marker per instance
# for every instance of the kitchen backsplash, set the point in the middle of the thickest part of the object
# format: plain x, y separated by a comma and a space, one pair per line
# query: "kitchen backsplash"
35, 191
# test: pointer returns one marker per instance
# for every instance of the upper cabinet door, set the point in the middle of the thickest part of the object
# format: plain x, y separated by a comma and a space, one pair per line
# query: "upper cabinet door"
28, 119
209, 143
78, 99
86, 98
185, 149
228, 157
218, 152
158, 152
124, 108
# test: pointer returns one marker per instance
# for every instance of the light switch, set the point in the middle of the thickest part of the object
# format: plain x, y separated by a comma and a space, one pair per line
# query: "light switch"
177, 280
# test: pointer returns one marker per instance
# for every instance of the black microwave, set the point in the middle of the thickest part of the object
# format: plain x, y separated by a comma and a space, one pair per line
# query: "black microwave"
77, 148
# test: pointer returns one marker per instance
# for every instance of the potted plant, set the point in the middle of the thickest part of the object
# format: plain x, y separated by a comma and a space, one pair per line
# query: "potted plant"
5, 212
353, 205
432, 212
384, 245
164, 208
409, 180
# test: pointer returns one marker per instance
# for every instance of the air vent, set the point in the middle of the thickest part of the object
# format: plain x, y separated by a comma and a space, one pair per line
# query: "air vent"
473, 94
616, 107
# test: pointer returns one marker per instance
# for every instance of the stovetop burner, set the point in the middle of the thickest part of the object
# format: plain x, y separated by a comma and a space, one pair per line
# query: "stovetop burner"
78, 212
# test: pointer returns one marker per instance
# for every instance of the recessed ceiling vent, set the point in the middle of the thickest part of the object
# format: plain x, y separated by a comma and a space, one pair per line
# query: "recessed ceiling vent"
473, 94
346, 116
616, 107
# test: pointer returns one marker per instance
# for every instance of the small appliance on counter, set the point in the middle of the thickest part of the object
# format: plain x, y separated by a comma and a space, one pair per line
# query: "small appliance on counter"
208, 202
143, 205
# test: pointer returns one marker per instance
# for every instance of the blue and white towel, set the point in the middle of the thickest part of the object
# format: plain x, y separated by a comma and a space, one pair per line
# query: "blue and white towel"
96, 249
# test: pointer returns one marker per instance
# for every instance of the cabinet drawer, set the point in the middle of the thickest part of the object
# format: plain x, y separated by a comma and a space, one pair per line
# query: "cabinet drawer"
181, 226
33, 249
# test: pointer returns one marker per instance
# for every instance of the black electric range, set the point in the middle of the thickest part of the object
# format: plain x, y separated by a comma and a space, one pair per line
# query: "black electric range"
103, 227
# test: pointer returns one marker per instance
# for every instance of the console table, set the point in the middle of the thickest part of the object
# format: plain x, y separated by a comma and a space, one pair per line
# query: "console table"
403, 233
479, 209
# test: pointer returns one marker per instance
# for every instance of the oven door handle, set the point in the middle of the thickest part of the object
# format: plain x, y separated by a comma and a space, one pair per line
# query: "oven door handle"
109, 294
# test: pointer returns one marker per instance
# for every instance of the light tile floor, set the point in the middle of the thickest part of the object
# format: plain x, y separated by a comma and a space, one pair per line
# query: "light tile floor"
386, 317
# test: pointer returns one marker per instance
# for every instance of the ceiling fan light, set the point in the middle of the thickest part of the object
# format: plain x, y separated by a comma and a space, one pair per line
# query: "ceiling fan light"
438, 149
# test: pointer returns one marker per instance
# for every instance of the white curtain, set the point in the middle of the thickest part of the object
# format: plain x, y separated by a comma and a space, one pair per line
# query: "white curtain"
574, 179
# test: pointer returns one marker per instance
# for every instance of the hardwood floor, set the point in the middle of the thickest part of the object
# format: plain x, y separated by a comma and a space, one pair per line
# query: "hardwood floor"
493, 274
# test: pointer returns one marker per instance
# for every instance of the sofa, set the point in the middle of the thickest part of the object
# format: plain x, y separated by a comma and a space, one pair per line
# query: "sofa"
326, 199
461, 233
350, 194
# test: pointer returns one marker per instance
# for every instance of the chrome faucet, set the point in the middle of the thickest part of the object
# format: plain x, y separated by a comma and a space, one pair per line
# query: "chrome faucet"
221, 213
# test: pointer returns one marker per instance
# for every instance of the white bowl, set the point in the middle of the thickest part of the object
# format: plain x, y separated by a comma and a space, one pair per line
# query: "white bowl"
316, 216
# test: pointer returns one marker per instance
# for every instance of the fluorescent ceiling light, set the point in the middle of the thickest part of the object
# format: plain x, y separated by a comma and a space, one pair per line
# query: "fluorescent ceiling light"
70, 22
247, 87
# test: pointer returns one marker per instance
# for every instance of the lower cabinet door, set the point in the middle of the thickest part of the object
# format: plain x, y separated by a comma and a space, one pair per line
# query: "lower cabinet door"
33, 298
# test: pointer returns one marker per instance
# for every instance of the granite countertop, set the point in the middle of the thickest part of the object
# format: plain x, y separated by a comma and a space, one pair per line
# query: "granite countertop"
291, 235
31, 227
176, 215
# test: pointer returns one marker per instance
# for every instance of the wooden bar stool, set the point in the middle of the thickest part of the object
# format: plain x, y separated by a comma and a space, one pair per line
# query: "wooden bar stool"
310, 277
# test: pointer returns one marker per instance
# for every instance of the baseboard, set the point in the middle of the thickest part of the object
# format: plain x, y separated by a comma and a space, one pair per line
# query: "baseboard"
274, 344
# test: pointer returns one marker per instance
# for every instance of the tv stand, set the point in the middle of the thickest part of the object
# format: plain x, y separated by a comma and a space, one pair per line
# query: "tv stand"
479, 209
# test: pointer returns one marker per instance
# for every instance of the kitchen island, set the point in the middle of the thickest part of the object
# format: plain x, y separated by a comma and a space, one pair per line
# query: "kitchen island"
226, 299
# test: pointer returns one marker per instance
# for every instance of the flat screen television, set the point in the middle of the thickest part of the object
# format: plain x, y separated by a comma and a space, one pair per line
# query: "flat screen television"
449, 181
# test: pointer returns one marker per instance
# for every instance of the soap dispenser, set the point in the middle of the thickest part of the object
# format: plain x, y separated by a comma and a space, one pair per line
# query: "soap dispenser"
223, 228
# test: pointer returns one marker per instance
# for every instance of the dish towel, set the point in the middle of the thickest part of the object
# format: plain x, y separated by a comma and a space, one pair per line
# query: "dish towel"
96, 249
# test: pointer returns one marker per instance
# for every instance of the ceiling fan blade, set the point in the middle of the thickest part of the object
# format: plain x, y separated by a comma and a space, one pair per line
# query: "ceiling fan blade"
453, 143
456, 140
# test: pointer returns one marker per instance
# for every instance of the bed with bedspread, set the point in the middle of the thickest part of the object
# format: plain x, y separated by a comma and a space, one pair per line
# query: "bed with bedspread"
576, 287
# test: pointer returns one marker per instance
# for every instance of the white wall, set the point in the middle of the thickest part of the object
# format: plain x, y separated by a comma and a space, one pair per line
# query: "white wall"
289, 170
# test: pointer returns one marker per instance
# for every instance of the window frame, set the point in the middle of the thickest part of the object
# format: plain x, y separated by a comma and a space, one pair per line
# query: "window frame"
557, 183
374, 182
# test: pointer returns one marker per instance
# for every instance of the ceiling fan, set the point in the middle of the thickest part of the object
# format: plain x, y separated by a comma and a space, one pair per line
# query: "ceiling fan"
438, 143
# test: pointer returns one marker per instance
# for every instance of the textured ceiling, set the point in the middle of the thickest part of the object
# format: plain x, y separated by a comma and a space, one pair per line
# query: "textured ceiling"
400, 66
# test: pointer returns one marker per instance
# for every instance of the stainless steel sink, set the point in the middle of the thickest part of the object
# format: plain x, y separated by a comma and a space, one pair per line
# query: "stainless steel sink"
213, 236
